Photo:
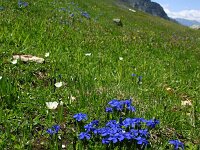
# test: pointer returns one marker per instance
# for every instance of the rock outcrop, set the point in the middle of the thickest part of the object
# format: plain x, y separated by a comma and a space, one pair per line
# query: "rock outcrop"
147, 6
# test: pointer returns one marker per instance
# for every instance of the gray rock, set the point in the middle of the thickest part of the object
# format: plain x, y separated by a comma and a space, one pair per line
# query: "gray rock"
118, 22
147, 6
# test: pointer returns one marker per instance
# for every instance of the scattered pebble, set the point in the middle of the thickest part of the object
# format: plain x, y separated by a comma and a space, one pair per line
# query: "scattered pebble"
186, 103
132, 10
88, 54
27, 58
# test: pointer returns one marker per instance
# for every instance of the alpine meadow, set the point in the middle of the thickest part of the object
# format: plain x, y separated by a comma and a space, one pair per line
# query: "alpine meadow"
72, 78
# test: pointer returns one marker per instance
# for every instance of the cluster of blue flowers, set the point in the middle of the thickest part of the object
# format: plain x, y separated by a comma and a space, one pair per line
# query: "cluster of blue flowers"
75, 10
177, 144
80, 117
132, 130
85, 14
116, 105
53, 130
22, 4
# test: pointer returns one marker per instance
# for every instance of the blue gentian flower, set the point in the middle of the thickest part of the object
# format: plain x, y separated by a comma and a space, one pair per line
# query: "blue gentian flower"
119, 136
104, 131
152, 123
114, 130
109, 109
85, 14
177, 144
128, 122
128, 135
91, 126
142, 141
113, 139
140, 78
134, 75
105, 141
116, 104
138, 121
62, 9
56, 128
71, 15
79, 117
120, 105
143, 132
84, 135
120, 121
95, 122
127, 102
50, 131
134, 132
22, 4
131, 108
53, 130
111, 123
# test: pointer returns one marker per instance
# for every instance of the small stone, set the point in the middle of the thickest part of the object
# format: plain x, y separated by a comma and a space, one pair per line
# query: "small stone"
132, 10
27, 58
118, 22
186, 103
88, 54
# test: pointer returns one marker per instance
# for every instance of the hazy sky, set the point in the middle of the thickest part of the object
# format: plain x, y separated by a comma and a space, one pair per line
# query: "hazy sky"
188, 9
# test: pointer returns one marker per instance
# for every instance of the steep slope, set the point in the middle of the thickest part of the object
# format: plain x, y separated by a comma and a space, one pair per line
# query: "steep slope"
151, 60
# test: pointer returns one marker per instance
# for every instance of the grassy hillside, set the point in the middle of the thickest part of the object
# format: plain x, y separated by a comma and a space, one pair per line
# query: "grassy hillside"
95, 60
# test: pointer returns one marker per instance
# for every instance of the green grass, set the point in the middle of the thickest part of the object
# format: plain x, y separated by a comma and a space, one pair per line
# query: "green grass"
165, 54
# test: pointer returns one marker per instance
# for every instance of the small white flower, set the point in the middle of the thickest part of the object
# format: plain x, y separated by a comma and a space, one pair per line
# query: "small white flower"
58, 84
59, 137
46, 55
14, 61
88, 54
120, 58
1, 77
51, 105
63, 146
61, 103
72, 98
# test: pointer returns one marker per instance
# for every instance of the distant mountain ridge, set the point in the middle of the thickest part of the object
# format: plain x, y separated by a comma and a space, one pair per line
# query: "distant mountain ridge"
187, 22
147, 6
